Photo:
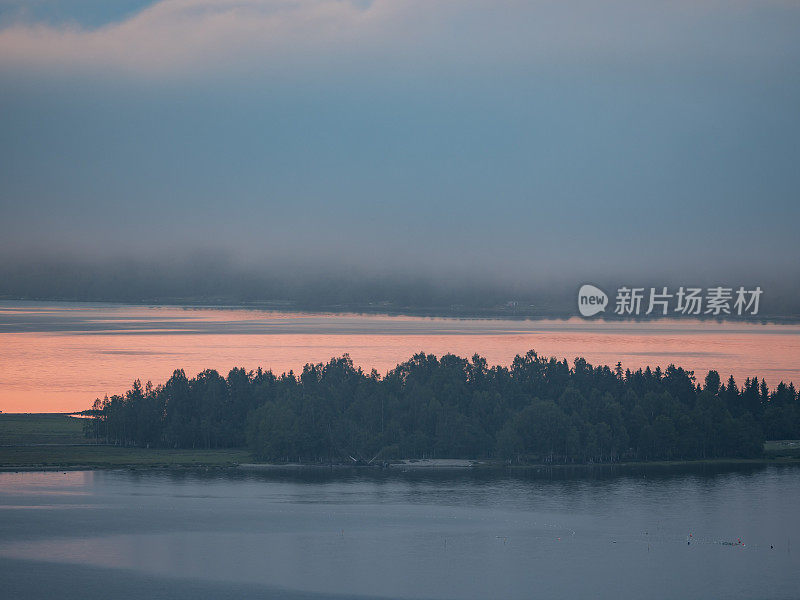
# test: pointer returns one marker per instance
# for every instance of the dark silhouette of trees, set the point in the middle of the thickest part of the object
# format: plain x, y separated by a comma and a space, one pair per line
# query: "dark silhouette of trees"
536, 410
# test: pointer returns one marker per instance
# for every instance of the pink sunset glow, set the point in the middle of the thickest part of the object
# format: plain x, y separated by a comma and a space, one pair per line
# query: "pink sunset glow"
101, 351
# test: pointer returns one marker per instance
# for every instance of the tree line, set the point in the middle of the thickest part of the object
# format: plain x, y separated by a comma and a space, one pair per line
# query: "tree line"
538, 409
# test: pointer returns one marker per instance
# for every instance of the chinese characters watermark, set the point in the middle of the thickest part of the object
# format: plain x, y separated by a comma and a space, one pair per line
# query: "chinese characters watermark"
637, 301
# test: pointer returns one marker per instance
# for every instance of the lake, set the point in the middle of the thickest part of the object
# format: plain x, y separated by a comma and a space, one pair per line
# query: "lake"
59, 357
689, 532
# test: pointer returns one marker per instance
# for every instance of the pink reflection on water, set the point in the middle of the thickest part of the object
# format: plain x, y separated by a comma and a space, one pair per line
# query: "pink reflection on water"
42, 484
58, 358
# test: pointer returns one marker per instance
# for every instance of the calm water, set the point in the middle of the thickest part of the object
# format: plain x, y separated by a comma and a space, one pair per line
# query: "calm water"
60, 357
434, 535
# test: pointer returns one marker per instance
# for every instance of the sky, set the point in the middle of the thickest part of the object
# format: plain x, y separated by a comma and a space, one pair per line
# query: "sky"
525, 145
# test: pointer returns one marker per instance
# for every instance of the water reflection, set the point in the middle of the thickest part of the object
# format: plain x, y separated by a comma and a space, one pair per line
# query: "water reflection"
639, 532
59, 357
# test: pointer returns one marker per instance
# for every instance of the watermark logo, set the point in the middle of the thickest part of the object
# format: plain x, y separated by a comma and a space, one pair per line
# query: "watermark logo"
591, 300
635, 301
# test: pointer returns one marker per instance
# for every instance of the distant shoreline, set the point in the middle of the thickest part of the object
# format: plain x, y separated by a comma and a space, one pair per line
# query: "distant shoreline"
432, 312
29, 459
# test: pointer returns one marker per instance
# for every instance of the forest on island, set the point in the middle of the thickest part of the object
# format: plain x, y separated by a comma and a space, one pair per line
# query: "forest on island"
537, 410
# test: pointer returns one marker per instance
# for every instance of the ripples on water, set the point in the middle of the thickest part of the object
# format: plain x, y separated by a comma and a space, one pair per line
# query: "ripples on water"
535, 533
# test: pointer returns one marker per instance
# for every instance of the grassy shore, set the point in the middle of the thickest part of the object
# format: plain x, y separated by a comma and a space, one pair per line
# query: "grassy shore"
32, 429
50, 441
107, 457
55, 441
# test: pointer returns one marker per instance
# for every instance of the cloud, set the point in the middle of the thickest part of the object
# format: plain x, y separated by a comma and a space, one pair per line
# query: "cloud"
499, 139
193, 36
175, 34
